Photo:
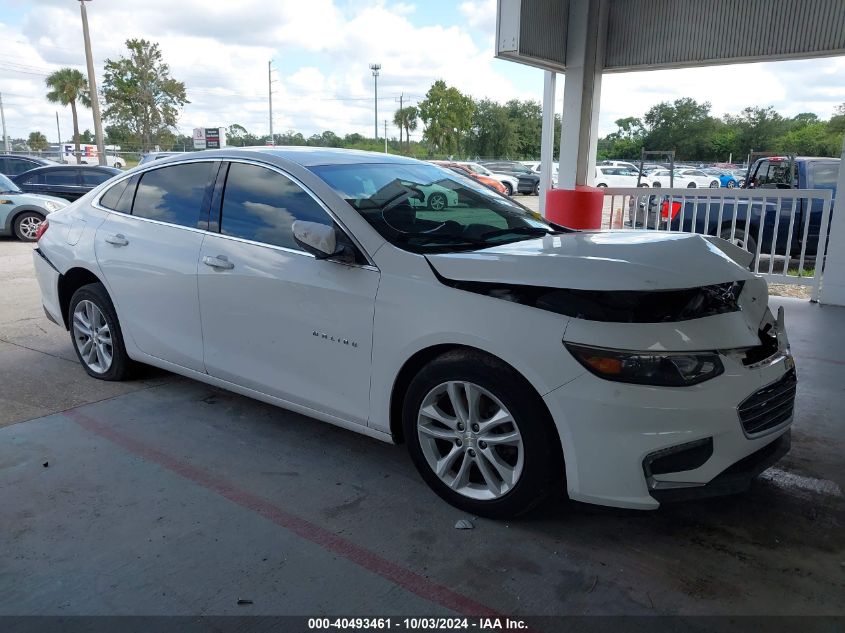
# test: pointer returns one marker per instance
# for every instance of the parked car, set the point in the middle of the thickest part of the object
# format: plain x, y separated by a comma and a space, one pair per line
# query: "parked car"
619, 163
436, 197
515, 358
510, 183
22, 213
726, 178
65, 181
118, 162
618, 177
462, 168
529, 180
153, 156
683, 178
775, 172
13, 164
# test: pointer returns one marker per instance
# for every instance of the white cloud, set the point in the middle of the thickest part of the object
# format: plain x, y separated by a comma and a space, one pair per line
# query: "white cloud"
480, 14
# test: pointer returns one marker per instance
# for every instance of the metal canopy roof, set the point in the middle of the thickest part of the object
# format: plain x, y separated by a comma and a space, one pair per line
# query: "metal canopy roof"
649, 34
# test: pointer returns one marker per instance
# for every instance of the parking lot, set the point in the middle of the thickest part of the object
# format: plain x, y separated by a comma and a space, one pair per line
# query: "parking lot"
166, 496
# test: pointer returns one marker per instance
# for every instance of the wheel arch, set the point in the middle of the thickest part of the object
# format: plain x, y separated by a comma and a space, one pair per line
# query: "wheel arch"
24, 208
70, 282
420, 359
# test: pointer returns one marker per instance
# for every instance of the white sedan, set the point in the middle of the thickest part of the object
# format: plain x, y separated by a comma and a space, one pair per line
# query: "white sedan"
515, 358
607, 176
690, 178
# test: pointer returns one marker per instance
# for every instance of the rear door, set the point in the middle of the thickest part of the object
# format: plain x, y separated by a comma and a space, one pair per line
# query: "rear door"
274, 318
149, 258
64, 182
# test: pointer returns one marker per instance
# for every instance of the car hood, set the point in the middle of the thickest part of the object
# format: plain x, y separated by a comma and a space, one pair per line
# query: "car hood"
602, 260
34, 198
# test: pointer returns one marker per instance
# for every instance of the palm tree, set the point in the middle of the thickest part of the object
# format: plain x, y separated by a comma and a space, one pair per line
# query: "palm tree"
67, 86
406, 118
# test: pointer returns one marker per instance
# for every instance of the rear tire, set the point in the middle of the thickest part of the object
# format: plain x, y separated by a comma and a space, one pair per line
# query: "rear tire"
96, 334
437, 201
504, 447
715, 184
508, 189
742, 240
26, 225
691, 185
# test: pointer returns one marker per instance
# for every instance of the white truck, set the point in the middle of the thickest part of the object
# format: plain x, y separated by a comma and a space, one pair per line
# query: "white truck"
90, 156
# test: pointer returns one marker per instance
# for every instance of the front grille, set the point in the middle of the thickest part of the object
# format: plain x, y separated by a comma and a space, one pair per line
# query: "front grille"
770, 407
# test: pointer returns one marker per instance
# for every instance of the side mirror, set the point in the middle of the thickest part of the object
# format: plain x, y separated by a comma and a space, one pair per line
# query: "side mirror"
321, 241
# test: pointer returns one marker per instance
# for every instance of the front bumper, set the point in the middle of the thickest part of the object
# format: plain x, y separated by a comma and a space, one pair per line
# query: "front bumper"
609, 431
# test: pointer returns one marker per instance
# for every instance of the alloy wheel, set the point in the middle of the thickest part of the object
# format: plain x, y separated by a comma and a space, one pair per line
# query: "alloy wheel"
437, 202
29, 226
470, 440
92, 336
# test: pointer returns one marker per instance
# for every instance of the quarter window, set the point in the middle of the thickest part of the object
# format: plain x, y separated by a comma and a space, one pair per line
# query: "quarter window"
111, 197
261, 205
173, 194
93, 177
824, 175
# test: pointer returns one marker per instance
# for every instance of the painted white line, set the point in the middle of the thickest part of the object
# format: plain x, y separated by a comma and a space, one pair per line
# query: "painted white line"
784, 479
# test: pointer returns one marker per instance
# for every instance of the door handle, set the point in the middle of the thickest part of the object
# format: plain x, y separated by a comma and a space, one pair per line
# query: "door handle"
117, 240
218, 262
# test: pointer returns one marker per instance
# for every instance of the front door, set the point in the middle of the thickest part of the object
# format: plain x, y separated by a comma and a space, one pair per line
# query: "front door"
274, 318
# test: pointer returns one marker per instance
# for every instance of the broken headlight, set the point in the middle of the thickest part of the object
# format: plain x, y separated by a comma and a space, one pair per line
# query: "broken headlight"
647, 368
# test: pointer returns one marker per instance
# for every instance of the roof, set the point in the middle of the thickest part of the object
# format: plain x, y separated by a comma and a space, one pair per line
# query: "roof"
311, 156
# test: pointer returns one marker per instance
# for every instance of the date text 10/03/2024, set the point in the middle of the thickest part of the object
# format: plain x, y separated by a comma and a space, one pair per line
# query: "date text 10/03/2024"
417, 624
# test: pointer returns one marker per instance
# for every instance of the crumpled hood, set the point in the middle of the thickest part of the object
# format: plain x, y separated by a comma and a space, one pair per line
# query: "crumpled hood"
602, 260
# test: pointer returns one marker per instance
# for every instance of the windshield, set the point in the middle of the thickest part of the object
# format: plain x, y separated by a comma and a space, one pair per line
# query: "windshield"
7, 185
425, 209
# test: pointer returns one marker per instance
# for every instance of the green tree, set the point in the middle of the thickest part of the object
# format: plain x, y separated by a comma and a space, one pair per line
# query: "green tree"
757, 129
406, 119
527, 119
683, 125
67, 86
37, 141
494, 133
140, 93
447, 115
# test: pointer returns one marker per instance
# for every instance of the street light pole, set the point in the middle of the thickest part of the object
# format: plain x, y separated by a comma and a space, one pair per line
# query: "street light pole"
375, 68
270, 98
92, 86
3, 118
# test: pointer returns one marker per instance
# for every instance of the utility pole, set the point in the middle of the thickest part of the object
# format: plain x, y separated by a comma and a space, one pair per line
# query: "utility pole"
385, 136
270, 98
92, 86
59, 134
375, 68
3, 118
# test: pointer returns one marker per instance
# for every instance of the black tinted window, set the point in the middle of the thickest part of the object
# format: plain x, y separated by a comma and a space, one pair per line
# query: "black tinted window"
18, 166
63, 177
260, 204
92, 177
112, 195
173, 194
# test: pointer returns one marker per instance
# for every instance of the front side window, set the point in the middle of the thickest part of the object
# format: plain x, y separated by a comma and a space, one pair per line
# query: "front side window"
174, 194
19, 165
424, 208
260, 205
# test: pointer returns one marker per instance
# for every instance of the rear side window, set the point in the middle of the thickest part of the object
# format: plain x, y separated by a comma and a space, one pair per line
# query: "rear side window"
260, 205
823, 175
93, 177
174, 194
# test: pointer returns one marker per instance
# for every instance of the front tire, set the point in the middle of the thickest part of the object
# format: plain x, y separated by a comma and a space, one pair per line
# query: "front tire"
715, 184
26, 225
480, 435
96, 334
691, 185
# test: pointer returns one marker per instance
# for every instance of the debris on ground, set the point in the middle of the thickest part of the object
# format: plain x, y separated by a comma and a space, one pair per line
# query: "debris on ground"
244, 601
46, 464
790, 290
464, 524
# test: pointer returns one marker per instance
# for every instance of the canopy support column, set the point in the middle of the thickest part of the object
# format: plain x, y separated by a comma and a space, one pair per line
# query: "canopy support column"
547, 142
833, 282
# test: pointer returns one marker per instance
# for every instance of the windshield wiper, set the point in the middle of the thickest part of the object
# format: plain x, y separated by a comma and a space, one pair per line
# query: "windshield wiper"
440, 238
8, 191
519, 230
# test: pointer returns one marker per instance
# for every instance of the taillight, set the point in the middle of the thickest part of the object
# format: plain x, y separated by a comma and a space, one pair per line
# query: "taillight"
41, 230
664, 210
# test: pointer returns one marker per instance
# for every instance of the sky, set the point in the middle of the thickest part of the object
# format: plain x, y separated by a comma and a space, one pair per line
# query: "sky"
321, 51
